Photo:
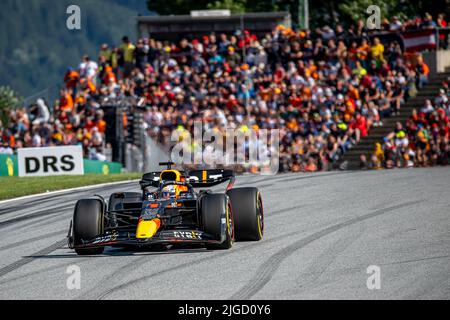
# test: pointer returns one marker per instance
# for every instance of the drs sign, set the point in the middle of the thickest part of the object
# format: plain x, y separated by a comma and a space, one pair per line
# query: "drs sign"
51, 161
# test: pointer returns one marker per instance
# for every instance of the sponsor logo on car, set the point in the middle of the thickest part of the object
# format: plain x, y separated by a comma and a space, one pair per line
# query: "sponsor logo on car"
107, 238
187, 235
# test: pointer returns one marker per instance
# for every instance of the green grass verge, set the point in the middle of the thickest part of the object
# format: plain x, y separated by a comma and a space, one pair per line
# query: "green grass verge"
12, 187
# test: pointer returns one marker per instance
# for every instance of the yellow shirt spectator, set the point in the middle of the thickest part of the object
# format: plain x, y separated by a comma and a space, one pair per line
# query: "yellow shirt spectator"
377, 50
359, 71
105, 52
114, 59
128, 51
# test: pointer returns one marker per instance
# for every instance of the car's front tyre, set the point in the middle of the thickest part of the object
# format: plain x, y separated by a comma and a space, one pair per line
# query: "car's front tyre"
88, 221
215, 207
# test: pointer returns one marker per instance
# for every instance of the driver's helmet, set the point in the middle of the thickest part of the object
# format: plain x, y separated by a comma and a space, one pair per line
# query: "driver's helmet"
169, 192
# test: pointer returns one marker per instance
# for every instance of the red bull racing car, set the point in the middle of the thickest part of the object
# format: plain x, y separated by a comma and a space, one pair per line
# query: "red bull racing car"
169, 211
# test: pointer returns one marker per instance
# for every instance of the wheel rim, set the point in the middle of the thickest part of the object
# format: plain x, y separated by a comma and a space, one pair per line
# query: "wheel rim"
260, 215
230, 222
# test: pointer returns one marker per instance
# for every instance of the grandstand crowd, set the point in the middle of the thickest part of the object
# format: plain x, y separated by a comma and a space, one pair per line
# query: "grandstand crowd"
424, 140
324, 89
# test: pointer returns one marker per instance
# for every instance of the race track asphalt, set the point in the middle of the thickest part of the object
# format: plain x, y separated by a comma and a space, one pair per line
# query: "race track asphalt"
322, 233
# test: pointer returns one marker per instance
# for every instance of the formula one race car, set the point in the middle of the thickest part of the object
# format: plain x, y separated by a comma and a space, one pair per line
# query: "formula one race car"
169, 211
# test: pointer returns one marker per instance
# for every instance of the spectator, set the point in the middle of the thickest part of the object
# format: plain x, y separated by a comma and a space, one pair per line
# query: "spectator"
425, 141
106, 53
88, 69
71, 78
127, 50
428, 22
395, 25
422, 72
43, 114
377, 50
6, 149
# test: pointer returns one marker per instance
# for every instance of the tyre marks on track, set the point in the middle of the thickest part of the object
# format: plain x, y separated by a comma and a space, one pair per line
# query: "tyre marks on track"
265, 272
26, 241
33, 215
40, 271
111, 279
27, 259
319, 266
211, 256
47, 222
281, 211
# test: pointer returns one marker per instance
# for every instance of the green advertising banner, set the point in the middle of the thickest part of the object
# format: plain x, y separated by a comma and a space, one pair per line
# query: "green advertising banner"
91, 166
8, 165
9, 168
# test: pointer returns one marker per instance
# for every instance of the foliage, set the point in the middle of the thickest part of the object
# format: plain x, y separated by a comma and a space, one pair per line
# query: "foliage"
175, 7
37, 48
232, 5
9, 99
321, 11
356, 10
162, 7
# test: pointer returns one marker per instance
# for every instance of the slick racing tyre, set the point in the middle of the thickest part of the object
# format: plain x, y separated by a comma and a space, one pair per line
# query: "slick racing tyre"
88, 222
248, 213
214, 207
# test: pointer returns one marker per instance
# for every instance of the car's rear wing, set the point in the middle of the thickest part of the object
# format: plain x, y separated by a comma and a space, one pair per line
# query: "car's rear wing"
196, 178
209, 178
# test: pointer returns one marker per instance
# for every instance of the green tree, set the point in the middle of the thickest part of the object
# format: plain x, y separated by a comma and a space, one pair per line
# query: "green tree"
322, 12
232, 5
9, 99
164, 7
349, 11
356, 10
176, 7
36, 47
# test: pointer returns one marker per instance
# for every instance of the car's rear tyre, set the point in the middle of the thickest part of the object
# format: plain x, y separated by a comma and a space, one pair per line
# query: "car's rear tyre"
214, 208
248, 212
88, 220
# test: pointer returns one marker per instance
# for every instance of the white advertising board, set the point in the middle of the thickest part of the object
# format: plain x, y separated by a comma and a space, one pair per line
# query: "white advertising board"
51, 161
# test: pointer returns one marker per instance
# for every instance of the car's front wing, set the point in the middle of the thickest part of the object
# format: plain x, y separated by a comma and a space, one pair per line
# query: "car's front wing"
125, 238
